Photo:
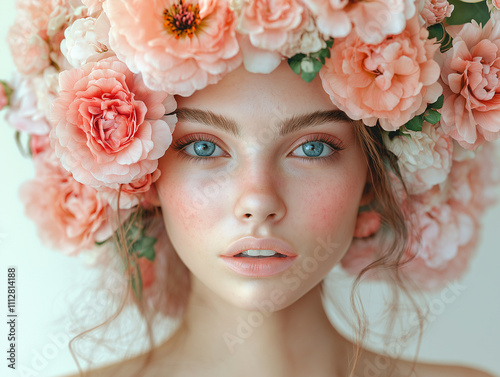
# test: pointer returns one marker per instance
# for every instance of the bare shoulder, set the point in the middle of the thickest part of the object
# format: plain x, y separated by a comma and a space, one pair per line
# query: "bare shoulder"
442, 370
131, 367
374, 364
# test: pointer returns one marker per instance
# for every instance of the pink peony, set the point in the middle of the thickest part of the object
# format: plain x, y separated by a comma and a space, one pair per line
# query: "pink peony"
70, 216
3, 97
24, 113
269, 23
35, 37
424, 157
372, 20
390, 82
474, 182
182, 46
435, 11
108, 128
39, 144
131, 194
471, 74
94, 6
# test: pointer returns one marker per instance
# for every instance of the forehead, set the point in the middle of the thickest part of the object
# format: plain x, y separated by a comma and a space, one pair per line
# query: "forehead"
242, 96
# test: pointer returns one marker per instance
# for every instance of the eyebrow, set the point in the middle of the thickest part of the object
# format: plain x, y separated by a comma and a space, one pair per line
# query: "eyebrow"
287, 126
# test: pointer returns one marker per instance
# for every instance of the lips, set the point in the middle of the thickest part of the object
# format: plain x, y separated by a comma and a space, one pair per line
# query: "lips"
259, 266
252, 243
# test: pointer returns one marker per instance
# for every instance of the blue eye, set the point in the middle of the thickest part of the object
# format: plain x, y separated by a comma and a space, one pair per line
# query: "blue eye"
202, 148
314, 149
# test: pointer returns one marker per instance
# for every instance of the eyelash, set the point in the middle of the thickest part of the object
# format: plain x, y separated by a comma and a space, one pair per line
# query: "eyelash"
335, 144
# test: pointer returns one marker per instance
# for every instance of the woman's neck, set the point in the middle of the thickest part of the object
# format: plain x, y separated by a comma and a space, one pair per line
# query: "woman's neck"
219, 339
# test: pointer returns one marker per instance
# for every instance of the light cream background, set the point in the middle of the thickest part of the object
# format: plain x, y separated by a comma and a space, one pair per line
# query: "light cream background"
464, 331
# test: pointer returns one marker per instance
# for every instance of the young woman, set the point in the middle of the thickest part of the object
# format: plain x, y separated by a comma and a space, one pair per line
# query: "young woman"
294, 172
234, 199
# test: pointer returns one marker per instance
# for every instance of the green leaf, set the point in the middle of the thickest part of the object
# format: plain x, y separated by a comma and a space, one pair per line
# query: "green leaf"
308, 76
465, 12
329, 43
294, 63
317, 65
436, 31
416, 123
432, 116
136, 282
141, 244
438, 104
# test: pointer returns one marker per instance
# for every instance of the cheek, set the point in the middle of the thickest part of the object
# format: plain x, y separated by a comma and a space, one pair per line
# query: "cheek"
332, 205
190, 206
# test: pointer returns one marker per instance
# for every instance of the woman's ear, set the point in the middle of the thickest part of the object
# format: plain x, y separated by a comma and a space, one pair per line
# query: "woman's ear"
368, 195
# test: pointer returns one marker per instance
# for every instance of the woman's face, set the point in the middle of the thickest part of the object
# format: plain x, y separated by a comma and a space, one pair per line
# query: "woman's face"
264, 157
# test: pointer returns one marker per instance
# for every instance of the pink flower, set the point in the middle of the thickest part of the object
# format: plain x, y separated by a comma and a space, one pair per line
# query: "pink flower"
182, 46
24, 113
69, 216
269, 23
471, 74
496, 3
390, 82
94, 6
435, 11
35, 37
3, 97
108, 128
474, 182
29, 51
39, 144
424, 157
131, 194
372, 20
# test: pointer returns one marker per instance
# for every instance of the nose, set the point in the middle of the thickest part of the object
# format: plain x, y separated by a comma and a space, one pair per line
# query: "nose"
259, 200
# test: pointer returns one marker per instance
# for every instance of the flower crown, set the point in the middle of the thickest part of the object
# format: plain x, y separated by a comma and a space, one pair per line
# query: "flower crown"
95, 79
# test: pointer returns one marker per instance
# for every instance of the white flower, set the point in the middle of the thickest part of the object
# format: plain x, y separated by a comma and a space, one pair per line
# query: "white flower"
24, 113
424, 158
86, 40
305, 40
46, 88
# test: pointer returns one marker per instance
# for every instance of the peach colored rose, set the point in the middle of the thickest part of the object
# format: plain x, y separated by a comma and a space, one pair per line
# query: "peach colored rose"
390, 82
182, 46
70, 216
24, 113
29, 51
132, 193
3, 97
94, 6
37, 32
471, 77
435, 11
424, 157
108, 128
372, 20
39, 144
269, 23
474, 182
496, 3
